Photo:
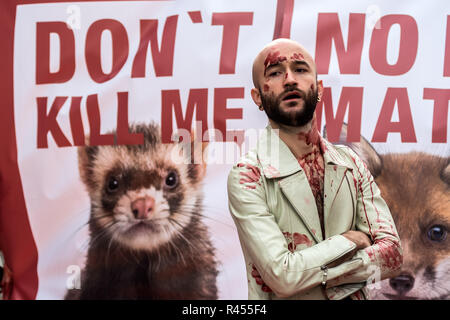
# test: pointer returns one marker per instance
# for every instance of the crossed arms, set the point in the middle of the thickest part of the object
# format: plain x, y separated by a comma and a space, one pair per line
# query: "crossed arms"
351, 257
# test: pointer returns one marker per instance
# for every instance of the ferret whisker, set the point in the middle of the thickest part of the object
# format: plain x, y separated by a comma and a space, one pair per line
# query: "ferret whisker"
212, 209
177, 251
111, 241
82, 225
197, 208
190, 245
103, 233
91, 219
207, 217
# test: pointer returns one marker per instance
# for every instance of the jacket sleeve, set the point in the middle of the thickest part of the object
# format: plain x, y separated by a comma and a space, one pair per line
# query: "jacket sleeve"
384, 257
263, 243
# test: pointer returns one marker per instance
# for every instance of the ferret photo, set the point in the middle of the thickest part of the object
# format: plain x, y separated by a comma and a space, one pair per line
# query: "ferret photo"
147, 238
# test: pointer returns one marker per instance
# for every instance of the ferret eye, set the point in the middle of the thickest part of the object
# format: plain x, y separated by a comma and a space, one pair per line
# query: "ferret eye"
437, 233
171, 180
113, 184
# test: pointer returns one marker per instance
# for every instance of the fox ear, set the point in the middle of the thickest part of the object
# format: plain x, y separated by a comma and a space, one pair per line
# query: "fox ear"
445, 174
363, 149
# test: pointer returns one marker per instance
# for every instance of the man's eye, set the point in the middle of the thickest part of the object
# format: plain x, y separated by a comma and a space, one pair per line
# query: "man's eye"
301, 70
274, 73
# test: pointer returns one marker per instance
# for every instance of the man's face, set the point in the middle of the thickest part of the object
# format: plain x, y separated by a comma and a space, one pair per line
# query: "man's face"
293, 115
287, 84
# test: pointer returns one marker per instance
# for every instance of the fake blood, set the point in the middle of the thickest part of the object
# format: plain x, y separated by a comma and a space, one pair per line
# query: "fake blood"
251, 176
313, 165
359, 187
389, 254
255, 274
387, 249
311, 136
271, 171
296, 239
273, 58
297, 56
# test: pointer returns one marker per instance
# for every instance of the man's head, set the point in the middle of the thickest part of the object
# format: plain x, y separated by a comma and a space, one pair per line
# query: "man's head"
285, 80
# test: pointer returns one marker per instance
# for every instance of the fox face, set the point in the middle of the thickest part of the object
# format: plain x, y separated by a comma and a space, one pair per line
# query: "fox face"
416, 187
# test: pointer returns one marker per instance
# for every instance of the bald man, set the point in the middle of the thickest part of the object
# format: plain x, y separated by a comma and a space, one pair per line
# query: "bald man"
310, 218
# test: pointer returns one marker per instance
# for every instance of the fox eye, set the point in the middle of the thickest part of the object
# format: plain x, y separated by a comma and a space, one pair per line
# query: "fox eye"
437, 233
113, 185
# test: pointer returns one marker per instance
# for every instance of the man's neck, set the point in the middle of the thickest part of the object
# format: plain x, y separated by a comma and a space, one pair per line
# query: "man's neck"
300, 140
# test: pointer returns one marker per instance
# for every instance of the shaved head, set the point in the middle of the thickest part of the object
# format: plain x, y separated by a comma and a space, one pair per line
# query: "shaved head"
279, 45
285, 83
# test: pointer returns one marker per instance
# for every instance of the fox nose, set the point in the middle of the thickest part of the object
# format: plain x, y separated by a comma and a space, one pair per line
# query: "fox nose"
402, 283
142, 208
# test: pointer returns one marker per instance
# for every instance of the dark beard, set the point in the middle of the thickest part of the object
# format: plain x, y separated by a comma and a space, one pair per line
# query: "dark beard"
271, 105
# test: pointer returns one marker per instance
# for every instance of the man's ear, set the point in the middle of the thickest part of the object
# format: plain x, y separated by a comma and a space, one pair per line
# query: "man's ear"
256, 96
319, 89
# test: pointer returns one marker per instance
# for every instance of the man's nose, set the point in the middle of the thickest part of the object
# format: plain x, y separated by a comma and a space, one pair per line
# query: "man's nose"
289, 78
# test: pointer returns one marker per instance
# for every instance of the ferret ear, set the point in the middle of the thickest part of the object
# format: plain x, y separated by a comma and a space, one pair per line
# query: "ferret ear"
199, 155
363, 149
445, 173
86, 156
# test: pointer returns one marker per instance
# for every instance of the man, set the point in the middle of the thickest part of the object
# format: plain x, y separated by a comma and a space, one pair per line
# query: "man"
310, 218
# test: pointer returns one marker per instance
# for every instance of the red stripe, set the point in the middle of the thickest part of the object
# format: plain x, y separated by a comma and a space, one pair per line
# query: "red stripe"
283, 19
16, 238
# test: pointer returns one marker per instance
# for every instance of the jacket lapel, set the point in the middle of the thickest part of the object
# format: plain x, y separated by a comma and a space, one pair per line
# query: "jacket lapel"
274, 155
335, 171
278, 161
298, 192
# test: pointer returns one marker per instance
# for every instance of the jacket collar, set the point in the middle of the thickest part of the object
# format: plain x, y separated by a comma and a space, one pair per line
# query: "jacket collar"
278, 161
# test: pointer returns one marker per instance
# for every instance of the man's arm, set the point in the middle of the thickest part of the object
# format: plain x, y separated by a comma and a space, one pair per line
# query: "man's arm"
286, 273
384, 256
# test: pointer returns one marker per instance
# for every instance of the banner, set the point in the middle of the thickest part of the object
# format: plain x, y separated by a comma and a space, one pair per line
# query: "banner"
84, 73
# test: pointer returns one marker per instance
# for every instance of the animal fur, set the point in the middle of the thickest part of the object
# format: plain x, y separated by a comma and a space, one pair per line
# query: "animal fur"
167, 255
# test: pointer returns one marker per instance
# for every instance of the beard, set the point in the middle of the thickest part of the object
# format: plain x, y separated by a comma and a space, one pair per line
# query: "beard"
297, 118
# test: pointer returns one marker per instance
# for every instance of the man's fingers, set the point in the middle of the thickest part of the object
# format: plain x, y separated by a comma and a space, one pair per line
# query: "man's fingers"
359, 238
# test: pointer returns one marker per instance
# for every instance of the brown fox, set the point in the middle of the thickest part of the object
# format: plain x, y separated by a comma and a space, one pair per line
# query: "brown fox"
416, 187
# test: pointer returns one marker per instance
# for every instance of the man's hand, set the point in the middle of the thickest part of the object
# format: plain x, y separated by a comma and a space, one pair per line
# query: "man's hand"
359, 238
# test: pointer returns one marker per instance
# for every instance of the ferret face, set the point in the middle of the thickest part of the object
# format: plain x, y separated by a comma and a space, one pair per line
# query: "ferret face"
141, 196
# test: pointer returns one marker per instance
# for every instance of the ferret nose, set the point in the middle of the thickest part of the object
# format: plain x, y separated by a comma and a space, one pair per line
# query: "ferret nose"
142, 208
402, 283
